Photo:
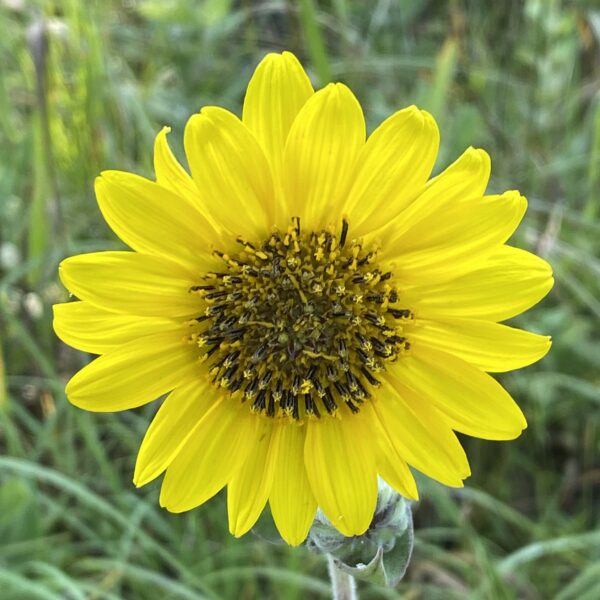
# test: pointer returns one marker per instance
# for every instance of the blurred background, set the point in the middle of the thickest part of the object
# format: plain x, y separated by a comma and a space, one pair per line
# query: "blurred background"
86, 85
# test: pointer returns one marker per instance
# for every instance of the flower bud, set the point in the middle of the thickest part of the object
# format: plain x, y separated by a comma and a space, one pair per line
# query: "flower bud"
382, 553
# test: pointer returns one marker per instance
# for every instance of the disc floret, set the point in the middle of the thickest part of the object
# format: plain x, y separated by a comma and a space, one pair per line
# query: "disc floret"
300, 324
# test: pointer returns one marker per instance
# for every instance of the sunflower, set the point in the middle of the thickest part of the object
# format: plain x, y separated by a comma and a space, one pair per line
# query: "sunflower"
319, 311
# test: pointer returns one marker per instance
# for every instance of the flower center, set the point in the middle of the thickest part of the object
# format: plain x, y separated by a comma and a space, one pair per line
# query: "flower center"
300, 324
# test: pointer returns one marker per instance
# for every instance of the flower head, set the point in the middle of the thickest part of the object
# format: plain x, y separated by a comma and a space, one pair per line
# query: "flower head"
317, 309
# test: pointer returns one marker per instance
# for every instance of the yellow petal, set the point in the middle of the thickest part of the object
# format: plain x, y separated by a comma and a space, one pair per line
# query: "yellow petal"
277, 91
292, 503
231, 172
392, 169
489, 346
171, 428
466, 178
464, 222
248, 490
135, 373
390, 465
509, 282
215, 451
153, 220
320, 155
91, 329
340, 464
471, 401
419, 435
132, 283
395, 472
169, 173
446, 243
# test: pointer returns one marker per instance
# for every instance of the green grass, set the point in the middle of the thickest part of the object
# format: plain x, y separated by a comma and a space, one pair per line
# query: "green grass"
518, 78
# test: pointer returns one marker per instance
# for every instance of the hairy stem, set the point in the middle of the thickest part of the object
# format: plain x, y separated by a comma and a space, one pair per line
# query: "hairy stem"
343, 586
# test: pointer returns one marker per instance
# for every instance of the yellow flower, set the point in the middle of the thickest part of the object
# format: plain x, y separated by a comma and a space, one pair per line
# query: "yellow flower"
319, 312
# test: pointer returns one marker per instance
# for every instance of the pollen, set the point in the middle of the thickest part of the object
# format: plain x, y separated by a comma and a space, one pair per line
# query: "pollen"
300, 324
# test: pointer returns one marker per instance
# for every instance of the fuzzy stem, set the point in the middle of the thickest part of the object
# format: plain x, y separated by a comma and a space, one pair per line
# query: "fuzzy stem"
343, 586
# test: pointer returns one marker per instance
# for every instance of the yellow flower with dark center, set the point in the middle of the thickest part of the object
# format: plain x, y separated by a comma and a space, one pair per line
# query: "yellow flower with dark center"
317, 309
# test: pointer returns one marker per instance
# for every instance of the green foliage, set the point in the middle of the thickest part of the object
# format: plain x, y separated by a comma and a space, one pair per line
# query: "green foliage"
85, 86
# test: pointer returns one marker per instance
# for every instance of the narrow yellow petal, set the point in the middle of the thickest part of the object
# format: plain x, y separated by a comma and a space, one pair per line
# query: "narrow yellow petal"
392, 169
134, 374
507, 283
470, 400
467, 177
320, 155
153, 220
249, 489
277, 91
490, 346
169, 173
171, 427
446, 243
131, 283
341, 468
292, 503
493, 218
419, 435
214, 452
396, 474
91, 329
231, 172
391, 466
